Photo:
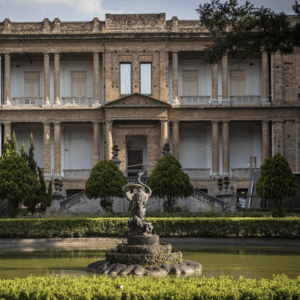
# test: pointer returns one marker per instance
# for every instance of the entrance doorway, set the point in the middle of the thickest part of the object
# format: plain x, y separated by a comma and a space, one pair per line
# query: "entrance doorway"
136, 148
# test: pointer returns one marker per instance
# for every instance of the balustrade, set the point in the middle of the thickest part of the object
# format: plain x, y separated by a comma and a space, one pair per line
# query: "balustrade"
194, 100
245, 100
77, 174
197, 173
243, 172
27, 101
77, 101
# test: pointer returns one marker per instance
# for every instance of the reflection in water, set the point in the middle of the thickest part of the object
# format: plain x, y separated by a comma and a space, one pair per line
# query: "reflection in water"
249, 262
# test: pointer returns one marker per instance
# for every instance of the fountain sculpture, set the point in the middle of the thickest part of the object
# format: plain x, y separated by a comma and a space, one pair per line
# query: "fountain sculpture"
143, 254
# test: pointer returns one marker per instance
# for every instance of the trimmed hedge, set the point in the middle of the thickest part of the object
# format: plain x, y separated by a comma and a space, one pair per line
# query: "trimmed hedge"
193, 227
102, 287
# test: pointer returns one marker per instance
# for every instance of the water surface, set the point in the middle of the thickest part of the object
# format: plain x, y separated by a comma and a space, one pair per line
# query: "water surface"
236, 261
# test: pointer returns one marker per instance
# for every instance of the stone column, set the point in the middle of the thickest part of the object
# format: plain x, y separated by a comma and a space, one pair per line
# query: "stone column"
96, 125
46, 80
214, 84
57, 150
175, 100
47, 153
225, 98
7, 131
225, 148
265, 79
96, 102
215, 148
56, 79
164, 133
265, 140
109, 138
175, 139
7, 103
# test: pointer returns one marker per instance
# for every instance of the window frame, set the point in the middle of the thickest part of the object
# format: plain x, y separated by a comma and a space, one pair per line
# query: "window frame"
120, 78
146, 63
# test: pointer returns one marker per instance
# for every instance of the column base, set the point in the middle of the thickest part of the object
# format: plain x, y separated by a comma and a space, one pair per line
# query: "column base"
265, 102
215, 174
226, 174
46, 105
57, 105
47, 176
175, 103
58, 176
96, 105
214, 102
7, 106
225, 102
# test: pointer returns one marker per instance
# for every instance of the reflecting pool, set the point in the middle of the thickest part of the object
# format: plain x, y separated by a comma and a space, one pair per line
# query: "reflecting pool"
236, 261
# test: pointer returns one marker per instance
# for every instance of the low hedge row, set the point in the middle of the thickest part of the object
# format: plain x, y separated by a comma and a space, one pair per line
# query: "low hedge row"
102, 287
193, 227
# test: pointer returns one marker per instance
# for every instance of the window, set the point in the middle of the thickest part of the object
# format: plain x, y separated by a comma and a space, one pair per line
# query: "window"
31, 84
78, 84
125, 78
190, 83
145, 84
238, 82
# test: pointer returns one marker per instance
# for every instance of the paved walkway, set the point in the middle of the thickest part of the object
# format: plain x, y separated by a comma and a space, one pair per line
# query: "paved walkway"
107, 243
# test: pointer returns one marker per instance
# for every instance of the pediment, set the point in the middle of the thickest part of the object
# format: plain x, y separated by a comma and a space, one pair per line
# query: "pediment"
137, 100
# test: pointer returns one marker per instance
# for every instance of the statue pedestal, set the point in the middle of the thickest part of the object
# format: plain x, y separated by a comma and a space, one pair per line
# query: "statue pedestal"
143, 240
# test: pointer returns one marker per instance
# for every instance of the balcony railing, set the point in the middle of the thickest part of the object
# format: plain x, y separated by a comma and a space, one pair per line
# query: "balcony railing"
197, 173
77, 101
243, 172
27, 101
194, 100
245, 100
77, 174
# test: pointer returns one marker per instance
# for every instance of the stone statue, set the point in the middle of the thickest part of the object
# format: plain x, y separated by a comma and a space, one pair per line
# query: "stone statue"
138, 224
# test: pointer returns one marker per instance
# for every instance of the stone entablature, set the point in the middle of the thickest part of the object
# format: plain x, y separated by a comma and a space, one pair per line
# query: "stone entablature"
114, 23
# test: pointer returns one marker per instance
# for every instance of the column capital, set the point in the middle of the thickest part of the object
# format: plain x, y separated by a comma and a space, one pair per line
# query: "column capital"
46, 122
96, 122
56, 122
96, 52
266, 121
176, 121
277, 121
174, 52
215, 121
226, 121
109, 120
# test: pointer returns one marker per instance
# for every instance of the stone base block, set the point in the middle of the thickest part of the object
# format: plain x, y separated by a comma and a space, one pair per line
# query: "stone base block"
145, 249
144, 259
143, 240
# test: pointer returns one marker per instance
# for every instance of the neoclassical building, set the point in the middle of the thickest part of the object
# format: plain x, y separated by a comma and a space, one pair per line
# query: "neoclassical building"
138, 81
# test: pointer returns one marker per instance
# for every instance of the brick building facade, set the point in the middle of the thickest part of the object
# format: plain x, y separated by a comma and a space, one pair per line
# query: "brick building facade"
138, 81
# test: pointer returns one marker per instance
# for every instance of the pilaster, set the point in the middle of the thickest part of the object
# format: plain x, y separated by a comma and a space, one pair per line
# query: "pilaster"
96, 126
7, 131
96, 102
57, 150
266, 140
215, 148
7, 103
265, 79
175, 101
46, 103
109, 138
47, 153
225, 98
175, 139
214, 85
164, 133
225, 148
57, 80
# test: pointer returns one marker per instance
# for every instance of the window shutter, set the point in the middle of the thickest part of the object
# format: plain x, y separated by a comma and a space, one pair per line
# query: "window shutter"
190, 83
237, 82
31, 84
78, 84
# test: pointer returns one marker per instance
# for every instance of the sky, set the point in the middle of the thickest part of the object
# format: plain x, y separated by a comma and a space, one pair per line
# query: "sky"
87, 10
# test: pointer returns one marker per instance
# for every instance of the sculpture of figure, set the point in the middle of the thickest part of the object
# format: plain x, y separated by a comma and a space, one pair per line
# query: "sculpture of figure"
138, 225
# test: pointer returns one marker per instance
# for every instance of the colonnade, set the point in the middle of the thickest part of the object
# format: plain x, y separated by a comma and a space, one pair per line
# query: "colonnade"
96, 79
214, 92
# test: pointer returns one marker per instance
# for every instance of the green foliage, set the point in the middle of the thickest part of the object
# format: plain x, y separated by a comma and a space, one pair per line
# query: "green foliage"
193, 227
41, 196
279, 212
106, 182
277, 181
169, 182
147, 288
246, 27
17, 182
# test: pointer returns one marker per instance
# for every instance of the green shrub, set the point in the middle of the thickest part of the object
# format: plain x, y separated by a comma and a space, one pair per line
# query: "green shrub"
194, 227
147, 288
